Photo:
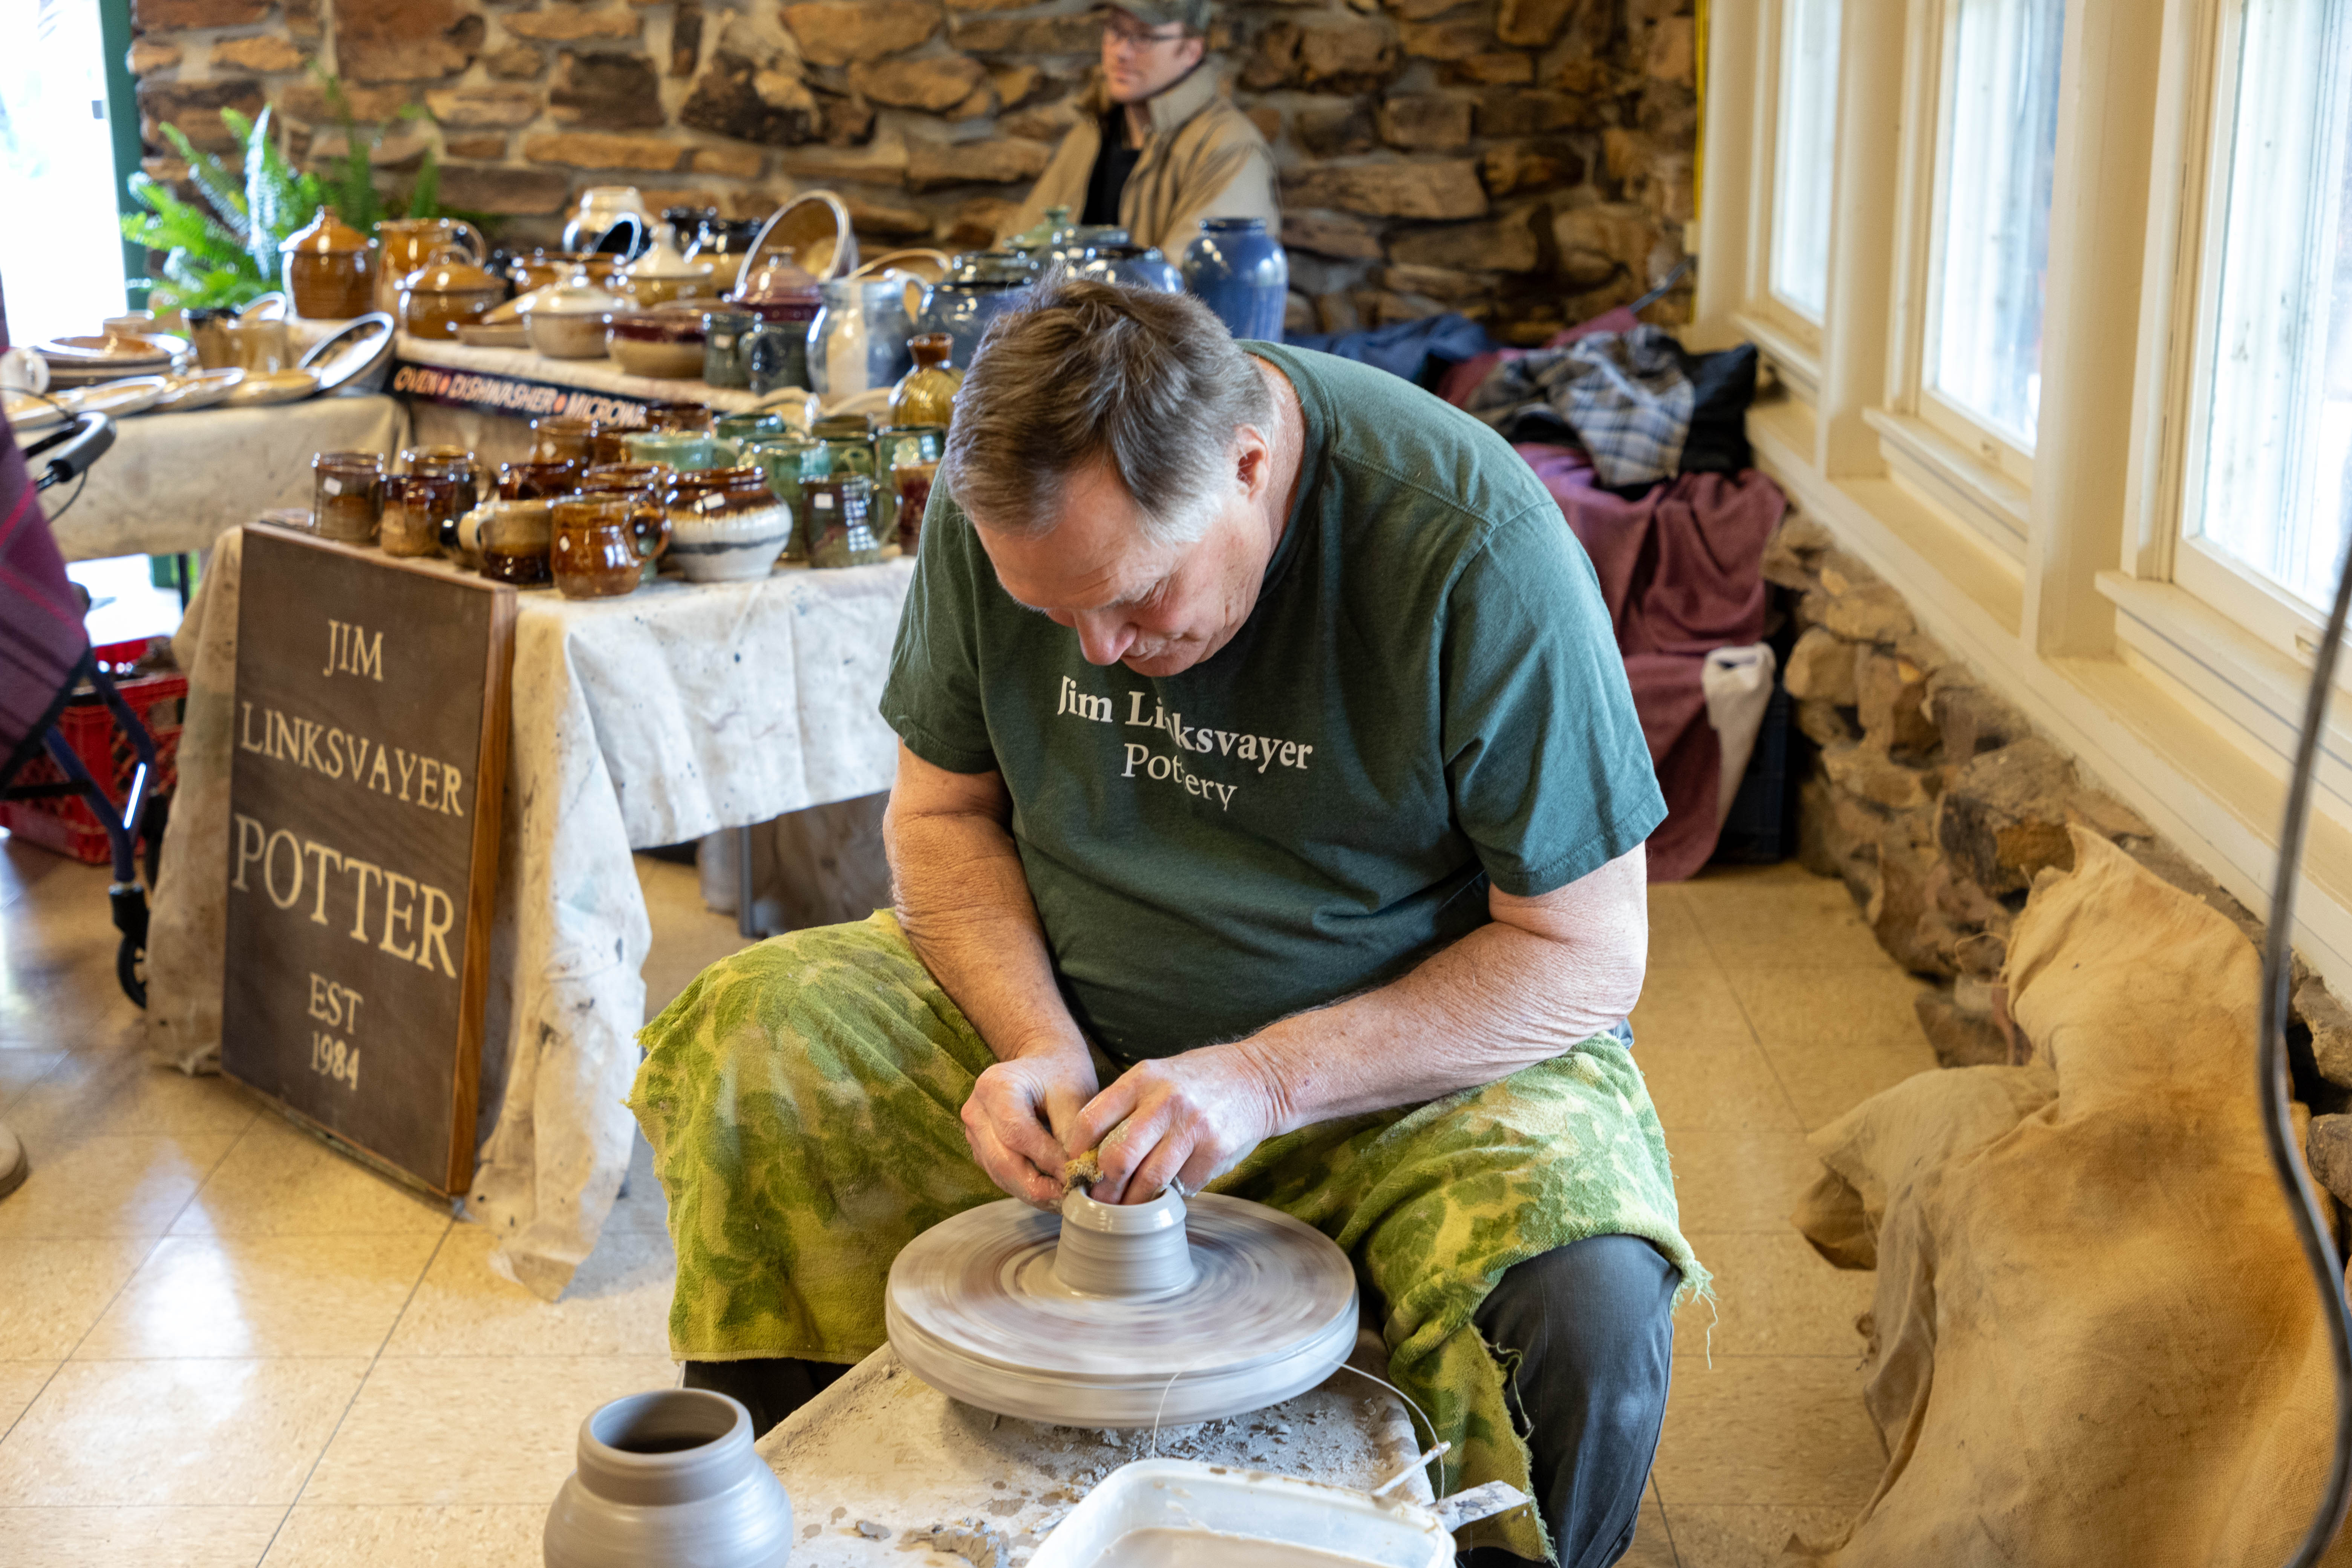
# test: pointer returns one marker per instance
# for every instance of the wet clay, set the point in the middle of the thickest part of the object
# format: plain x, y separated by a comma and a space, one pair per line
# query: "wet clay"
1122, 1250
1214, 1549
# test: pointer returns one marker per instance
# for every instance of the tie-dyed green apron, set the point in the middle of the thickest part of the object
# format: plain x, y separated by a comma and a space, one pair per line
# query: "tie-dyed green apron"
803, 1100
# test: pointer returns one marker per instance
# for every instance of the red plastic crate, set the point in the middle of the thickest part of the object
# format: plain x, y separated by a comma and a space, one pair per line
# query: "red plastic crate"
66, 822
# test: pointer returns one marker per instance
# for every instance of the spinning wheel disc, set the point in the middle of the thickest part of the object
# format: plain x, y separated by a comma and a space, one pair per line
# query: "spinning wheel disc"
975, 1309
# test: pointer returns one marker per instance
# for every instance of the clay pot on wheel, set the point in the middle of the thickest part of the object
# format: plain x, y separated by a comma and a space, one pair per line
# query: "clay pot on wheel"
669, 1477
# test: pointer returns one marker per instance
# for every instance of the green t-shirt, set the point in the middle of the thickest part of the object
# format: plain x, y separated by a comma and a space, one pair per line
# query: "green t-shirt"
1426, 697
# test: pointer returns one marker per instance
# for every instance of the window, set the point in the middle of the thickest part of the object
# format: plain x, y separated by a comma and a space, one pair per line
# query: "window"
1997, 140
1804, 147
2266, 487
63, 268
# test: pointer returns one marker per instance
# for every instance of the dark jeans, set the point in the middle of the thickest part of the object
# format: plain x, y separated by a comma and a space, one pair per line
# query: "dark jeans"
1592, 1327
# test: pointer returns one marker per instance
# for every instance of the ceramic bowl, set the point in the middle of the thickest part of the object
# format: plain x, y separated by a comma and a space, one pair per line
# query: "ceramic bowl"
567, 334
664, 344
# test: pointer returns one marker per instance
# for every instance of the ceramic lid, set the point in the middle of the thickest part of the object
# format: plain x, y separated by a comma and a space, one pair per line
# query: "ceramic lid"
577, 298
326, 235
775, 280
993, 267
663, 259
450, 270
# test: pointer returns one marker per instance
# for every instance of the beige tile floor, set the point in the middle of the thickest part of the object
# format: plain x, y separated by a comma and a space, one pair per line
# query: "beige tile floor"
221, 1344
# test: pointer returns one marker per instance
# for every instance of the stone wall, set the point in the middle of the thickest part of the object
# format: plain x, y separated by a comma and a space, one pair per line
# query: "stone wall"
1938, 805
1529, 162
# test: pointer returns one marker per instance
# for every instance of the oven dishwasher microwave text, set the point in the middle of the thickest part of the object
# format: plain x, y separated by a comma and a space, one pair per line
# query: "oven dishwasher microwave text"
400, 915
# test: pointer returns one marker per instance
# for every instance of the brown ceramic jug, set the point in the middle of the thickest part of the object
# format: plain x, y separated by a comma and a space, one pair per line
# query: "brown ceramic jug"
410, 242
602, 542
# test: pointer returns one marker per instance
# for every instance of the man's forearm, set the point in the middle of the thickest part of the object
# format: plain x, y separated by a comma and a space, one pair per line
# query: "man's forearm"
964, 905
1498, 1000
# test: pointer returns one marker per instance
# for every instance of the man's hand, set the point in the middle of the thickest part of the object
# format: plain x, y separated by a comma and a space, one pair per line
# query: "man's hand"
1017, 1114
1187, 1119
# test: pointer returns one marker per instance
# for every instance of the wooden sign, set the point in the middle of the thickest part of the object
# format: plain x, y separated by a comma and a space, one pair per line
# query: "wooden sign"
370, 761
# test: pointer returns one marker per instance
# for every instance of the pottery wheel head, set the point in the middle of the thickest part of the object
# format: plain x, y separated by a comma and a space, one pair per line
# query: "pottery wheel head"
1085, 1319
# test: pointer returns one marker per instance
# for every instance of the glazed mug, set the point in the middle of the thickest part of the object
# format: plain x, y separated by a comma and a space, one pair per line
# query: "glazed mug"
417, 507
684, 450
557, 439
537, 481
512, 520
601, 542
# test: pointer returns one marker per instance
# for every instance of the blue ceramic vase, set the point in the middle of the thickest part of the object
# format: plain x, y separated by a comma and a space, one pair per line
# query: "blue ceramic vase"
1239, 270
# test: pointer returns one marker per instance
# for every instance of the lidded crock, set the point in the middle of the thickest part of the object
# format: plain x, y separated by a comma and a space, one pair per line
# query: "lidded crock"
329, 268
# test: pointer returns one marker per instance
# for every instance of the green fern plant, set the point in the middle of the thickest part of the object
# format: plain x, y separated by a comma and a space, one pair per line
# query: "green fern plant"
229, 255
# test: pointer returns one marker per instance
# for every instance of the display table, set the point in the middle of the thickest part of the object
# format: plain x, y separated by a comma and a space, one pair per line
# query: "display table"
171, 482
883, 1449
649, 720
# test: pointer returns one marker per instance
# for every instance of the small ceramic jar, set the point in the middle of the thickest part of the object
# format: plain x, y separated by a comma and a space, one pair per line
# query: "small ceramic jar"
257, 344
208, 329
515, 540
417, 507
537, 481
775, 355
663, 274
724, 332
600, 543
838, 530
561, 438
726, 526
347, 494
455, 462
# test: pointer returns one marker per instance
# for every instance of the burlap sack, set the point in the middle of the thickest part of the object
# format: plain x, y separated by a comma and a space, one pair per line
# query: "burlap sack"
2095, 1339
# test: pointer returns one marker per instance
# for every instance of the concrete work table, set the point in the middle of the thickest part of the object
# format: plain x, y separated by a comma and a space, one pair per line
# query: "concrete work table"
884, 1448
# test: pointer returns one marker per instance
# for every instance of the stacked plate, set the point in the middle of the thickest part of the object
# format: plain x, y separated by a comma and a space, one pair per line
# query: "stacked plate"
87, 360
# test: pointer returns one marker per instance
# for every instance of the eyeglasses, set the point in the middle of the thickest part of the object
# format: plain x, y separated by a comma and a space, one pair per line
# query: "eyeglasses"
1120, 33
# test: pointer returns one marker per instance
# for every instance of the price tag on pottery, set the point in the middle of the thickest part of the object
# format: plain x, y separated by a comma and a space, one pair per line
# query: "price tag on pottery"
369, 745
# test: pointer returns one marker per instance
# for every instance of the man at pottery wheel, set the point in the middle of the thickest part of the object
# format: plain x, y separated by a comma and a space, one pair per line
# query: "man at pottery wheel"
1269, 816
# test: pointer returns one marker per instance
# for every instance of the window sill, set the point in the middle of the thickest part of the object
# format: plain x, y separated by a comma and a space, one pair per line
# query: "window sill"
1945, 476
2238, 678
1798, 366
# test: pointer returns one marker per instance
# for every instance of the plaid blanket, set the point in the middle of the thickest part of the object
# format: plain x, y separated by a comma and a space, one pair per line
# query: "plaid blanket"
1626, 396
801, 1098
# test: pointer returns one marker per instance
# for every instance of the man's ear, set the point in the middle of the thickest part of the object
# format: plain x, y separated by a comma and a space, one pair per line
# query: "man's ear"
1195, 47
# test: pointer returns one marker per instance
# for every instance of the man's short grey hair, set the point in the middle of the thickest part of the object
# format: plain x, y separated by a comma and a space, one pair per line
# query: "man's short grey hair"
1089, 373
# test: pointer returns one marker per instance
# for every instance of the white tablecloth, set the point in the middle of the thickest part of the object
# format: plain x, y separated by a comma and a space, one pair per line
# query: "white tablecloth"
598, 374
171, 482
643, 720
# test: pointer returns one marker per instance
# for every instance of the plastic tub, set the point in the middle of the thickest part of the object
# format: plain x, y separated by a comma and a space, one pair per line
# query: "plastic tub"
1221, 1502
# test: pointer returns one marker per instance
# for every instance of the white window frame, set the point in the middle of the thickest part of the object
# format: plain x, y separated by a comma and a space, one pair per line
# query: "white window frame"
2261, 630
1787, 338
2058, 591
1936, 449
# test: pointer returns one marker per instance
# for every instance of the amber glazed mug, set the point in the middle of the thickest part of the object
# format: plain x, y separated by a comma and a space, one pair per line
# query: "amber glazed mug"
602, 542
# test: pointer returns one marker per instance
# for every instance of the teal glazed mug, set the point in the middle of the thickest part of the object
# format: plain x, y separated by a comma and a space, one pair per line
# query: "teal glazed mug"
684, 450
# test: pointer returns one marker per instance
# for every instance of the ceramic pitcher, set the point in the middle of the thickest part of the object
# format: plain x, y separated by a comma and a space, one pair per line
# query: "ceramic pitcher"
858, 339
410, 242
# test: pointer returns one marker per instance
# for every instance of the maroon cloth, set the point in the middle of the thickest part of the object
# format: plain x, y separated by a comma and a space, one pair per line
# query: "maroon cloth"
1682, 571
41, 634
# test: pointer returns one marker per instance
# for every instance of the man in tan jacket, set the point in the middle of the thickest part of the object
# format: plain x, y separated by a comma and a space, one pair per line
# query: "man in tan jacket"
1159, 148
